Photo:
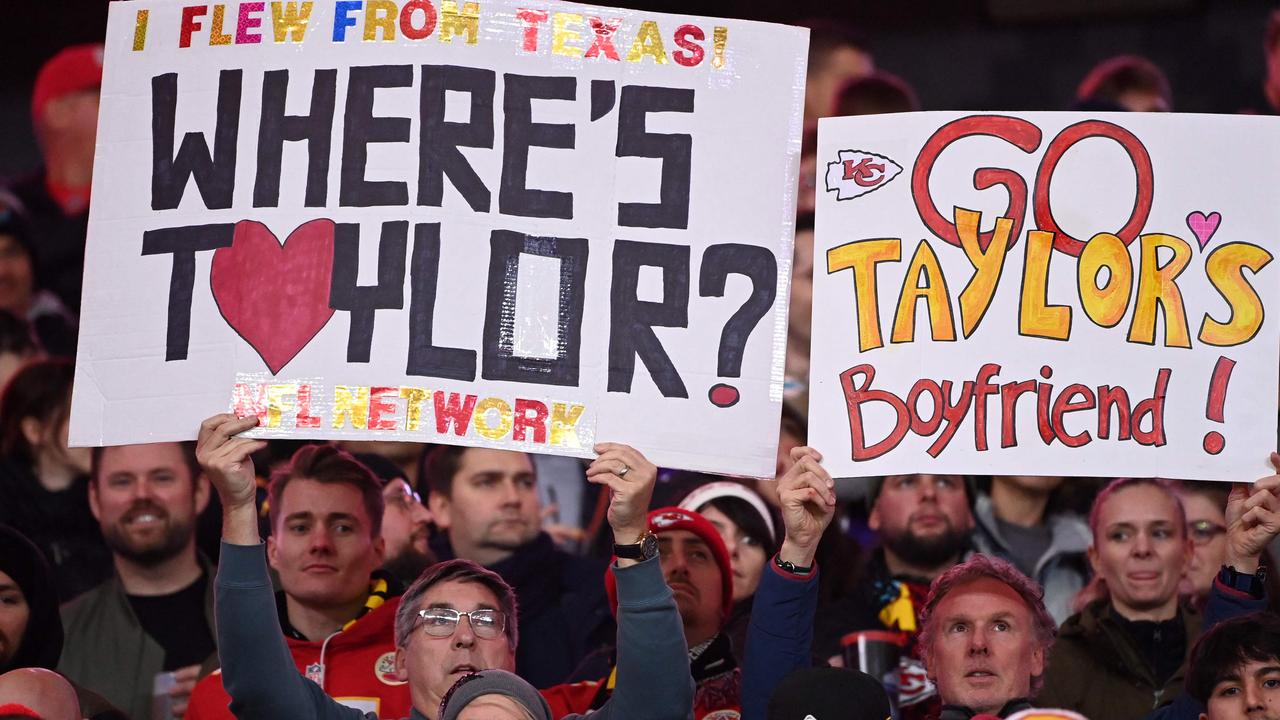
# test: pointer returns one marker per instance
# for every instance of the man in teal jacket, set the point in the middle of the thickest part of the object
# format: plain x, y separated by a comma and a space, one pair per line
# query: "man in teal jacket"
434, 647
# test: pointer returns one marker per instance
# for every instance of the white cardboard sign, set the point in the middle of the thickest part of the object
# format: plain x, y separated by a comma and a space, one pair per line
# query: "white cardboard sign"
519, 225
1047, 294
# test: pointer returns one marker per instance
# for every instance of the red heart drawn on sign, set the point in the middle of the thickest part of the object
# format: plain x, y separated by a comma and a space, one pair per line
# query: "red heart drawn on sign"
275, 296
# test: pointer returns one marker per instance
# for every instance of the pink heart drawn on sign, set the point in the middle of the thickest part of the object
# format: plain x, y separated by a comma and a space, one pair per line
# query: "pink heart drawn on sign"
275, 296
1203, 226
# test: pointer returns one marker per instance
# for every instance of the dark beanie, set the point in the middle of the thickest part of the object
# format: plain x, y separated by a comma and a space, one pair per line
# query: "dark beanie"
493, 682
829, 694
41, 644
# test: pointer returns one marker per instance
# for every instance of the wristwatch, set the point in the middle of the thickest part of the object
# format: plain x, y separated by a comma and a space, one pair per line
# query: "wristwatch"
643, 549
1252, 584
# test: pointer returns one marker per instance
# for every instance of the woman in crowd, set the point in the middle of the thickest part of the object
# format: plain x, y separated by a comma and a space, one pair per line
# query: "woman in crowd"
1124, 652
44, 483
744, 523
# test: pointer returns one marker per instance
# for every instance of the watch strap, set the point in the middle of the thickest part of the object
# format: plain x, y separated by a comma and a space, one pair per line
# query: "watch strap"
791, 567
1253, 584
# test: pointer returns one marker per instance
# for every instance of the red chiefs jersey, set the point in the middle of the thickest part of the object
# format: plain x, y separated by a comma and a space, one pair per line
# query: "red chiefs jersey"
359, 670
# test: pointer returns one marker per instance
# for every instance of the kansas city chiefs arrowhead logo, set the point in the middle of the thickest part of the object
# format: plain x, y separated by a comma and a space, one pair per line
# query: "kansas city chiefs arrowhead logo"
858, 172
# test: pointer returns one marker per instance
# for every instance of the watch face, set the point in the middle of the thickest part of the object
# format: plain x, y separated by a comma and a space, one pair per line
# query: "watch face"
649, 545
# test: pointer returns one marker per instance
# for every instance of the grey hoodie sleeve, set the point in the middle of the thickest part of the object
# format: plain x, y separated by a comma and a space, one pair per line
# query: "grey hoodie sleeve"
654, 682
257, 669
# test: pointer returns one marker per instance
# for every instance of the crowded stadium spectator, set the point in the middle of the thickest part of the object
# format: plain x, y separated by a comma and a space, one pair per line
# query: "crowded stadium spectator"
1206, 504
406, 523
1267, 101
986, 637
44, 694
433, 647
1134, 83
780, 636
924, 523
51, 324
336, 608
1126, 652
16, 345
837, 54
155, 613
486, 503
1235, 671
64, 113
30, 628
746, 527
43, 483
876, 93
696, 566
1017, 519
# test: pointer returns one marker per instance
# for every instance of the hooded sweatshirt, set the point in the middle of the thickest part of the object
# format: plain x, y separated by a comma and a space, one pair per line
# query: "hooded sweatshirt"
41, 643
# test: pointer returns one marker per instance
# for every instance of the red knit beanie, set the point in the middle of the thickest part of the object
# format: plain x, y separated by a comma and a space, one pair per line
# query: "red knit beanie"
668, 519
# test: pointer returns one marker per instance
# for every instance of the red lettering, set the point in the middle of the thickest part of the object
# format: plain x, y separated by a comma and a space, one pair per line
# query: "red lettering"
305, 419
981, 390
247, 400
954, 415
918, 425
537, 422
693, 53
532, 19
1107, 398
428, 20
1020, 133
1044, 176
603, 40
382, 408
1043, 391
1009, 394
855, 396
1064, 405
190, 24
1154, 408
455, 413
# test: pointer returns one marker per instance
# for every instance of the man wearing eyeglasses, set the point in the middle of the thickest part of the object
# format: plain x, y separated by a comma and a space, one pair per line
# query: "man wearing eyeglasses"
455, 620
1205, 503
337, 608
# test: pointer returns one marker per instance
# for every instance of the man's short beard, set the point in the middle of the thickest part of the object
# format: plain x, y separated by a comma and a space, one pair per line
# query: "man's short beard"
408, 564
177, 537
935, 552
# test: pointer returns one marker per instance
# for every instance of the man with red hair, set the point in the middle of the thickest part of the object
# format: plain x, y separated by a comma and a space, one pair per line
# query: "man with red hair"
985, 637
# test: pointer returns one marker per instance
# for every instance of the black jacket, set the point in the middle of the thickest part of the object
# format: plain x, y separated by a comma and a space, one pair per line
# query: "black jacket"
41, 643
60, 524
57, 241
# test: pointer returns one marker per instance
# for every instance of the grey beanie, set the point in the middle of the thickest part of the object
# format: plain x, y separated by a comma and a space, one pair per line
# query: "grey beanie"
493, 682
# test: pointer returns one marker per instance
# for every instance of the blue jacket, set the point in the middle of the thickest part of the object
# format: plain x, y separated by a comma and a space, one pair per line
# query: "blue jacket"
779, 636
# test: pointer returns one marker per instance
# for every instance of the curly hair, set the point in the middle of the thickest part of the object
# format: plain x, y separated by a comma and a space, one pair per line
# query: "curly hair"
981, 566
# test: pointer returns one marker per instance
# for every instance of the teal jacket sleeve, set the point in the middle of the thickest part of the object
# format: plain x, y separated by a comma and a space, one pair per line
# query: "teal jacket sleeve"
257, 670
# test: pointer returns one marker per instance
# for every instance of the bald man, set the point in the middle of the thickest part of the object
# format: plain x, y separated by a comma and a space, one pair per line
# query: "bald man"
44, 691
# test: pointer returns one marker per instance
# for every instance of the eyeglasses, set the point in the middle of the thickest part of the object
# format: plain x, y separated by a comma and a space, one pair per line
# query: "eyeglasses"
1202, 532
442, 622
400, 495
